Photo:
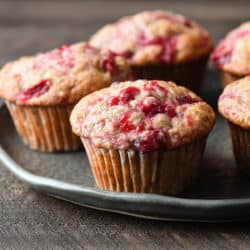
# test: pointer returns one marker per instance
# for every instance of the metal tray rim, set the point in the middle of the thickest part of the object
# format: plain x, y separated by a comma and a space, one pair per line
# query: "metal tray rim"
150, 206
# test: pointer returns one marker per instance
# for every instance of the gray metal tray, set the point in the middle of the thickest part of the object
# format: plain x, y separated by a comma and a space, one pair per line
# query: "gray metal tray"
221, 193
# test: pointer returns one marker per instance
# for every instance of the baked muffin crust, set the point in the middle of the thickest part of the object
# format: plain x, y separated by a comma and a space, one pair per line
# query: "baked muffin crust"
61, 76
142, 115
233, 53
234, 103
153, 37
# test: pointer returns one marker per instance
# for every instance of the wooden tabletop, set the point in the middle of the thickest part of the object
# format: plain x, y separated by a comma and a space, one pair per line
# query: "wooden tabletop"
29, 220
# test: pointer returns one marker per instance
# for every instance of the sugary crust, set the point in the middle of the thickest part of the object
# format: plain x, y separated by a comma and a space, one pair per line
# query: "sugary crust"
153, 37
60, 76
234, 103
233, 53
142, 114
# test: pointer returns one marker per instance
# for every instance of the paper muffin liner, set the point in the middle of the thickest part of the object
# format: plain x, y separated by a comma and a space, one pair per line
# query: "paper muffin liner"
227, 78
189, 74
166, 172
241, 146
44, 128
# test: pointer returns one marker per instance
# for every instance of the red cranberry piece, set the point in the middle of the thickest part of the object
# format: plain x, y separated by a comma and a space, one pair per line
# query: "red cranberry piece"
114, 100
109, 65
171, 110
152, 109
115, 125
221, 56
169, 50
141, 127
205, 37
187, 99
155, 41
183, 109
168, 47
147, 144
148, 87
187, 23
126, 54
128, 94
126, 127
125, 124
64, 100
35, 91
64, 48
220, 59
161, 88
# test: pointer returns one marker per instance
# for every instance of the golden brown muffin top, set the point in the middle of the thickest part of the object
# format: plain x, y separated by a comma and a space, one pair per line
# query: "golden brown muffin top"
60, 76
233, 53
153, 37
234, 103
142, 115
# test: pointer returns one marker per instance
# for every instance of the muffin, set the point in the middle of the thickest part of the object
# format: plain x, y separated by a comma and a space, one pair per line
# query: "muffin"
234, 105
159, 45
143, 136
232, 55
40, 91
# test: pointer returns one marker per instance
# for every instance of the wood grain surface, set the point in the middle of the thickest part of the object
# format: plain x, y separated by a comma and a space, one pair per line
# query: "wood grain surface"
29, 220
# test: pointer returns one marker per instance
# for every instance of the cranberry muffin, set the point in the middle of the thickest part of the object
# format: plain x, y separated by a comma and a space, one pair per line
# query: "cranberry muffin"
159, 45
40, 91
234, 105
232, 55
143, 136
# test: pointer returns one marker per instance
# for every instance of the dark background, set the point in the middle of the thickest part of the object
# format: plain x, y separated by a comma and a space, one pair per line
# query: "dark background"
30, 26
29, 220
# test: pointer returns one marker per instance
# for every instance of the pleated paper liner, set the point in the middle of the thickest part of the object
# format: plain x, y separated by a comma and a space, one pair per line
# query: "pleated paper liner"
241, 146
227, 78
45, 128
166, 172
189, 74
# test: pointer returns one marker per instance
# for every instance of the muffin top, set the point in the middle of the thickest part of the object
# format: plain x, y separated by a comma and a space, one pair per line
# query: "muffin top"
153, 37
60, 76
234, 102
142, 115
233, 53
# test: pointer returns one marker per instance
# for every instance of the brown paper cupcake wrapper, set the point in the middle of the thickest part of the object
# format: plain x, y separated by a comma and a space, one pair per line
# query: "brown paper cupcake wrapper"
189, 74
44, 128
241, 146
155, 172
227, 78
